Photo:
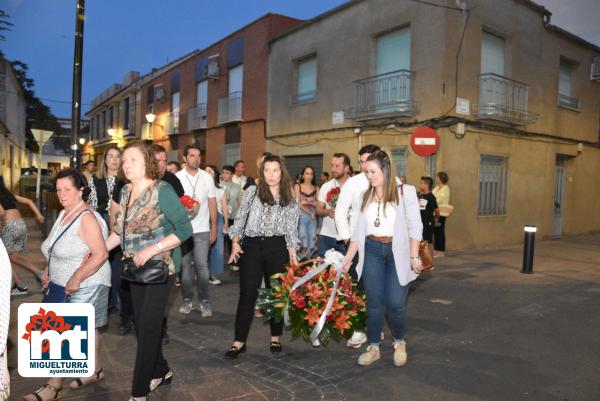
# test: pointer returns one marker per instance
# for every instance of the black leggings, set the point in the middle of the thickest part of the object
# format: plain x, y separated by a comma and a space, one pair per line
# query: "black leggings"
439, 236
262, 257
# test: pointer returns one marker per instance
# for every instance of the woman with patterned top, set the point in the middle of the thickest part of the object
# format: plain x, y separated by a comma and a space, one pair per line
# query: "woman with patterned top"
102, 187
77, 269
150, 223
267, 223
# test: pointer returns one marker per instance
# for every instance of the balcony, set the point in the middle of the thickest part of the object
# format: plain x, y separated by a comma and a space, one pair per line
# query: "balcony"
230, 108
197, 117
505, 100
172, 124
569, 102
385, 95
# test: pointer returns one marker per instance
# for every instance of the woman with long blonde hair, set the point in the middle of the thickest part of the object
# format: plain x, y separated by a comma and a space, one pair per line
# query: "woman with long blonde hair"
387, 236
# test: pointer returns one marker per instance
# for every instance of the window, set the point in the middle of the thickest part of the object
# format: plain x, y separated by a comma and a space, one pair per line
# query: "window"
493, 185
175, 113
126, 114
307, 80
393, 51
202, 93
492, 54
231, 153
92, 127
399, 157
175, 78
235, 52
565, 90
236, 79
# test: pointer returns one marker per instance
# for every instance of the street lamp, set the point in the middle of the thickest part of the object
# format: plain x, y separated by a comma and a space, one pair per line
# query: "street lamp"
111, 132
81, 141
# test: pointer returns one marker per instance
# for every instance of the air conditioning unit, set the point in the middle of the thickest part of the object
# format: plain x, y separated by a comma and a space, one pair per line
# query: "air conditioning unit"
212, 67
595, 71
159, 93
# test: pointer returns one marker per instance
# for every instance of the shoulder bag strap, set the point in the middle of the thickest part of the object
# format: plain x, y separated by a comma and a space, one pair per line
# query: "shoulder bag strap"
61, 234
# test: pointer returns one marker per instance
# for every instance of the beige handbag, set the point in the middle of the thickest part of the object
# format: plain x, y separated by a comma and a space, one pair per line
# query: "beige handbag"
445, 210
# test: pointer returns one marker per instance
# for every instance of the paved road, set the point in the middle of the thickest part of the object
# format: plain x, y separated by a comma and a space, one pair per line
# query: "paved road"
478, 329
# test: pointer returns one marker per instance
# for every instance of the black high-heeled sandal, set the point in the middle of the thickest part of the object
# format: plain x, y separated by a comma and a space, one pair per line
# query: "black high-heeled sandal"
163, 381
78, 383
275, 347
234, 352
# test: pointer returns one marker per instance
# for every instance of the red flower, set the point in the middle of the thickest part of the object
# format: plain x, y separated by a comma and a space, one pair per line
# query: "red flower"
188, 201
300, 304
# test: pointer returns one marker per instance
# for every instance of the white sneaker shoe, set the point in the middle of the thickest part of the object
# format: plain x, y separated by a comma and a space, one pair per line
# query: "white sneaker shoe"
205, 309
371, 355
357, 340
187, 307
400, 356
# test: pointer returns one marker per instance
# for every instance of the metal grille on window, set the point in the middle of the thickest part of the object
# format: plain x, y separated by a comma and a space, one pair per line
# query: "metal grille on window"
493, 186
399, 157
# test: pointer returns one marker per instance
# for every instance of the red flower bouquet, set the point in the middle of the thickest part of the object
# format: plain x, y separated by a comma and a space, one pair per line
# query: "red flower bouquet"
307, 303
192, 205
332, 197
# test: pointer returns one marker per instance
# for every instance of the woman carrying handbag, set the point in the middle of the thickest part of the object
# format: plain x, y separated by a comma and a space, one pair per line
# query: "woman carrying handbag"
387, 237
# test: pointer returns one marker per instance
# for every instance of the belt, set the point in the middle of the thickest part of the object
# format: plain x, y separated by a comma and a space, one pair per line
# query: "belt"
383, 240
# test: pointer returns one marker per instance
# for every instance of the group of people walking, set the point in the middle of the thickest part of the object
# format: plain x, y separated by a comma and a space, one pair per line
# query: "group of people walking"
130, 214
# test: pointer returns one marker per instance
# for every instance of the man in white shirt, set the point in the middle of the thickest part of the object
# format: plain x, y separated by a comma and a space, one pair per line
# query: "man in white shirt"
199, 185
239, 177
340, 168
346, 212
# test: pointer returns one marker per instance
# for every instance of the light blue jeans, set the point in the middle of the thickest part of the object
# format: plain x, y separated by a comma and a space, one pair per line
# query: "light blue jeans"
216, 250
195, 263
307, 229
384, 292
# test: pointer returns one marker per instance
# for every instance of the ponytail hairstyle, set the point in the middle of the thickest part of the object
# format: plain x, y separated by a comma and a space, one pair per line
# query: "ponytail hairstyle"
390, 189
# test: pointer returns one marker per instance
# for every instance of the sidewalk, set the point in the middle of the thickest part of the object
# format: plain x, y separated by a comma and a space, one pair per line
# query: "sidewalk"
477, 329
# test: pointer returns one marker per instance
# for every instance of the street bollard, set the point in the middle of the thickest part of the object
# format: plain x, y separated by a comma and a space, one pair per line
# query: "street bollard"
528, 247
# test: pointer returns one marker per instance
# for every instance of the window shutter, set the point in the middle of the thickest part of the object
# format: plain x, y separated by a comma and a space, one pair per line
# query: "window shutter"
393, 51
399, 157
307, 79
492, 54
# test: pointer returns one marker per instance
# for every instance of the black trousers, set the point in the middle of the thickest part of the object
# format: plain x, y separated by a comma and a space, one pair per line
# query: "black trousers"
149, 304
439, 236
262, 257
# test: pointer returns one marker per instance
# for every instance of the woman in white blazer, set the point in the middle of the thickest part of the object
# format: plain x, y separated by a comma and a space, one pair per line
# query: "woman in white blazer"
386, 237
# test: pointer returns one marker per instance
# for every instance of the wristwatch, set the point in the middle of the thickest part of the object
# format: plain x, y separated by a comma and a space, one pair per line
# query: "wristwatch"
415, 258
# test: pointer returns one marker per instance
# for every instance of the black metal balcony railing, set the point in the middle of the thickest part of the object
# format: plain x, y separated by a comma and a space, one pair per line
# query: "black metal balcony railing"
383, 95
197, 117
230, 108
569, 102
504, 100
172, 124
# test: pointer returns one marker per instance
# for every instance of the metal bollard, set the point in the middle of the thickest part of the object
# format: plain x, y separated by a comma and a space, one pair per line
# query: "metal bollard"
528, 248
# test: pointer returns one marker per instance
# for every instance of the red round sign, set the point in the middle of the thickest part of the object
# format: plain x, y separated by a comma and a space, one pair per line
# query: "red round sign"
424, 141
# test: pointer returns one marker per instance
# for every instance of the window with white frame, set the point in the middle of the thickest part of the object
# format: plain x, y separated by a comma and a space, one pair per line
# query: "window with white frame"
307, 80
492, 54
493, 186
565, 87
175, 113
399, 158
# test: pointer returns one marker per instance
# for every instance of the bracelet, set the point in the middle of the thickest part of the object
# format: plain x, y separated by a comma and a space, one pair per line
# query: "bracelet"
415, 258
160, 246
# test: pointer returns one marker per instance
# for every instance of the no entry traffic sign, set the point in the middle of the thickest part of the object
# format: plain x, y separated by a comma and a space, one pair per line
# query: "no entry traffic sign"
424, 141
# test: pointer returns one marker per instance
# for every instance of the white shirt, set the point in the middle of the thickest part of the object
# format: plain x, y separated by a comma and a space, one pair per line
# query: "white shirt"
200, 187
241, 180
328, 227
386, 220
349, 203
220, 192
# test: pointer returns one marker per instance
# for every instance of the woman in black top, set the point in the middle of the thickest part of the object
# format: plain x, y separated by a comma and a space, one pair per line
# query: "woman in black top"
14, 234
267, 222
429, 210
102, 187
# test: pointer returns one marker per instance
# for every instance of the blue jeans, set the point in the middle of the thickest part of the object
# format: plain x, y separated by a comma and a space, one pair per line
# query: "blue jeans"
384, 292
216, 250
307, 229
195, 263
326, 243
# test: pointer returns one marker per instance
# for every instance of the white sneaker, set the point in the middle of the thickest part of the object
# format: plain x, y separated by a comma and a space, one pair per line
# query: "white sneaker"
186, 307
205, 309
357, 340
214, 281
370, 356
400, 356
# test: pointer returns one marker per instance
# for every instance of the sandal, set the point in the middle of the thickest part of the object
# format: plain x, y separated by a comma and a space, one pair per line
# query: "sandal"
36, 394
78, 383
275, 347
161, 381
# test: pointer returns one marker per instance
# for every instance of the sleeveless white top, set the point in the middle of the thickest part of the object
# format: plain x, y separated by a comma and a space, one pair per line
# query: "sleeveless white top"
69, 252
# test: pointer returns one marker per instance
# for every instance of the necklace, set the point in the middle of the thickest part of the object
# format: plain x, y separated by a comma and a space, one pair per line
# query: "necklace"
64, 218
187, 177
377, 222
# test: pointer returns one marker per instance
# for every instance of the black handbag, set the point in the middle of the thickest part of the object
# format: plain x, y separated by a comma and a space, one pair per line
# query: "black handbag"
152, 272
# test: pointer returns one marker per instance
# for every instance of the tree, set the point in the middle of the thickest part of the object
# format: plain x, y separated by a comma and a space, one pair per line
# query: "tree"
5, 24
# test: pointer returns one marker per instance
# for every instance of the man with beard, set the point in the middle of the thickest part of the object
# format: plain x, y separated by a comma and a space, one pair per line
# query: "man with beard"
340, 167
199, 185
